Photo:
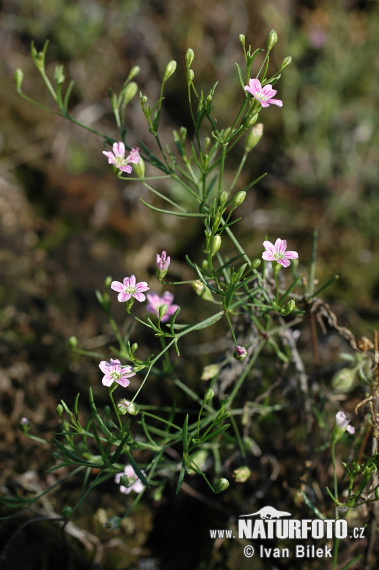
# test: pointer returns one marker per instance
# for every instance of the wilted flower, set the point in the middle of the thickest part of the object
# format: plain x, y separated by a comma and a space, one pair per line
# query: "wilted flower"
263, 94
117, 157
278, 252
134, 484
114, 372
126, 407
155, 301
343, 423
130, 288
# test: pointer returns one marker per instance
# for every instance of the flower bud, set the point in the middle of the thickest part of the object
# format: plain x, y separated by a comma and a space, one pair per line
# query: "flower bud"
288, 308
59, 409
18, 77
25, 425
134, 72
223, 198
240, 353
210, 371
237, 200
254, 137
66, 512
242, 474
72, 341
190, 75
241, 38
108, 281
143, 99
129, 92
221, 485
271, 40
255, 263
170, 69
201, 290
286, 61
252, 120
208, 395
216, 244
59, 75
162, 310
139, 168
189, 57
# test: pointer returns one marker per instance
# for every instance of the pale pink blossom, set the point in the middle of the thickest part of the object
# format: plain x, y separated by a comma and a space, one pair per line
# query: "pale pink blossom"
263, 94
114, 372
343, 423
162, 261
117, 157
134, 483
278, 252
155, 301
130, 288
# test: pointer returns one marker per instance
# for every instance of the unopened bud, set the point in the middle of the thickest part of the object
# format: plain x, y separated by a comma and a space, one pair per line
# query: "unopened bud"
221, 485
255, 263
189, 57
59, 75
170, 69
254, 137
129, 92
238, 199
139, 168
271, 40
240, 353
286, 61
242, 474
288, 308
190, 75
216, 244
18, 77
67, 512
208, 395
210, 371
241, 38
72, 341
202, 290
134, 72
59, 409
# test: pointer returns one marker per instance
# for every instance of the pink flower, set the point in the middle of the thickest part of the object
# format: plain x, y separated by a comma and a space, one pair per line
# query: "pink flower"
263, 94
343, 423
155, 301
134, 483
163, 261
114, 372
278, 252
129, 288
117, 157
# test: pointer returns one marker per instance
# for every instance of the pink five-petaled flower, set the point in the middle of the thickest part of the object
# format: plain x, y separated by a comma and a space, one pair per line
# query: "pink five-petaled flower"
114, 372
134, 483
162, 261
155, 301
117, 157
130, 288
278, 252
263, 94
343, 423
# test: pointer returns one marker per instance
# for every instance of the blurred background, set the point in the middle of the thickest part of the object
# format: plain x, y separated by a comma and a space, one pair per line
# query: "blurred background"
66, 222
